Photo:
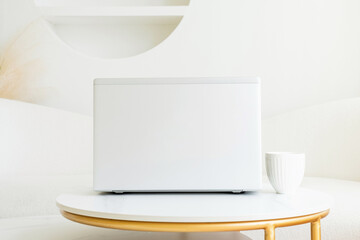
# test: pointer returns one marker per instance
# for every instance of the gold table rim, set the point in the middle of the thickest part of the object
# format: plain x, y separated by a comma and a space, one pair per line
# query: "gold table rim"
194, 226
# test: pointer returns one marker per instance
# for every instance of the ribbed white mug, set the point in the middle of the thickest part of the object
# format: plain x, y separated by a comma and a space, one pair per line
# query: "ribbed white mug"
285, 170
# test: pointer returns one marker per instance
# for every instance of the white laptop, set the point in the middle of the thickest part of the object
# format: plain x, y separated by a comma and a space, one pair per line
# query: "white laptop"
177, 135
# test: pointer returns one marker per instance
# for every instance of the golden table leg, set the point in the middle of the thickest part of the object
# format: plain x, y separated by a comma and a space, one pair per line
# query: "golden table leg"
316, 230
270, 233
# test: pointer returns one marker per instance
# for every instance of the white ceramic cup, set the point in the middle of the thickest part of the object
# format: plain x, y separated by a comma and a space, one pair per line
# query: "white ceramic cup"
285, 170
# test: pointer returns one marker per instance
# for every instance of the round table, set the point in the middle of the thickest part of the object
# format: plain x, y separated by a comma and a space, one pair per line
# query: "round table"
198, 212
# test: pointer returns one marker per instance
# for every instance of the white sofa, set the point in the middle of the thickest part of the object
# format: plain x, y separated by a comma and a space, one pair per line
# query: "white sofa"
46, 152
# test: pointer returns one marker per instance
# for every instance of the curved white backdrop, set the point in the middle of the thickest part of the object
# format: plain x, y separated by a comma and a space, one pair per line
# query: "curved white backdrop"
39, 140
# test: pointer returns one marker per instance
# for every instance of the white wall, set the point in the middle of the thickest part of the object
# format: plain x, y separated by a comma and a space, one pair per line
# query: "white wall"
15, 15
306, 52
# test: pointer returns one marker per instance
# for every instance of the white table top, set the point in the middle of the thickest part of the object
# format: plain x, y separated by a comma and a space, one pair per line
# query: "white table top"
195, 207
